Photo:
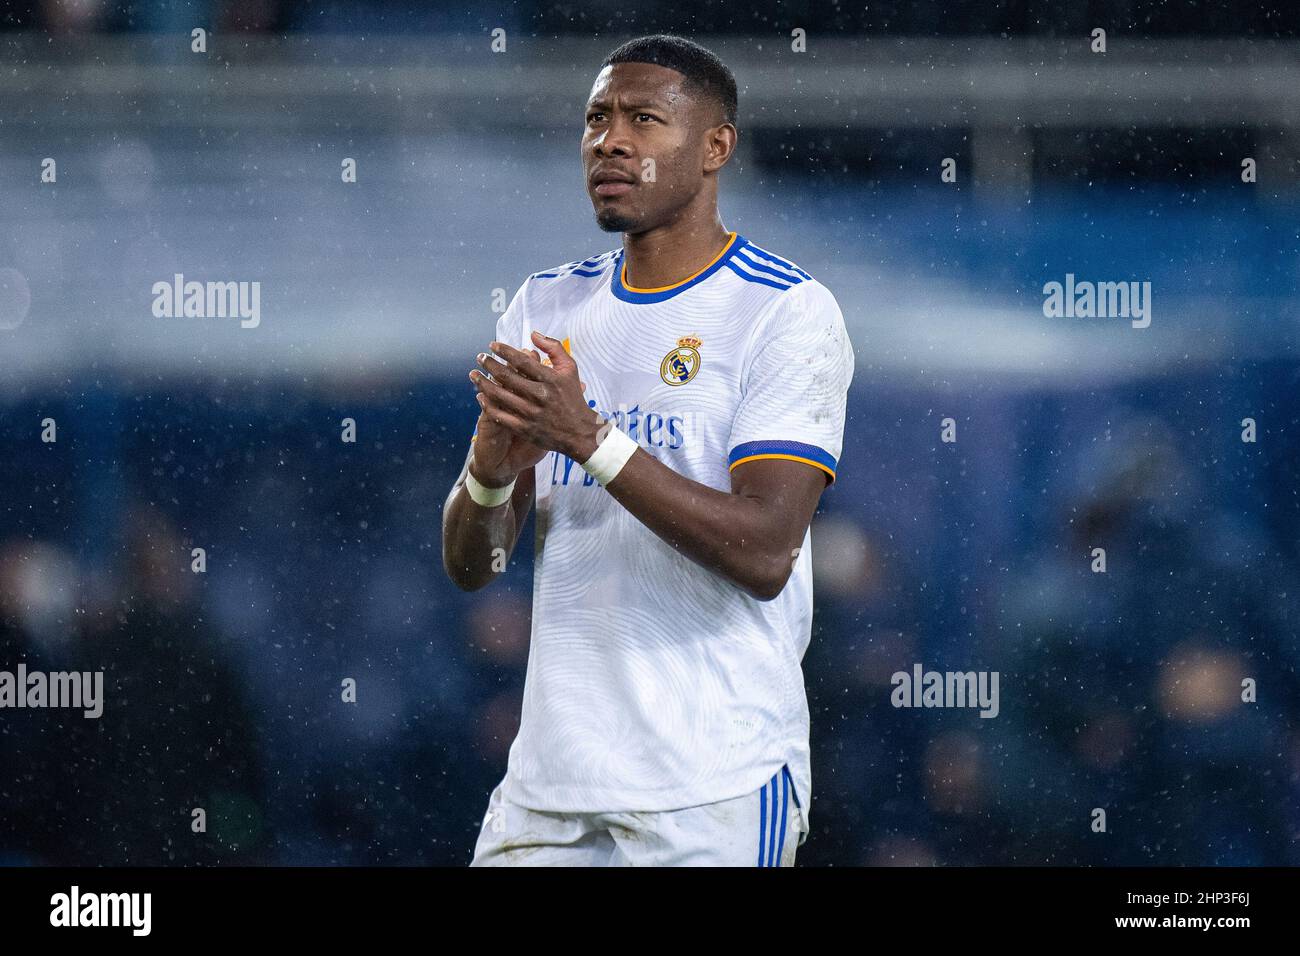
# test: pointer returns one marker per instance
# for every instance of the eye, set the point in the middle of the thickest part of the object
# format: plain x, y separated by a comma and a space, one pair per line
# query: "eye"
593, 116
647, 116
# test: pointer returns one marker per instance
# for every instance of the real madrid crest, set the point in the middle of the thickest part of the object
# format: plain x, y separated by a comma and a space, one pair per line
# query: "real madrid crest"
680, 365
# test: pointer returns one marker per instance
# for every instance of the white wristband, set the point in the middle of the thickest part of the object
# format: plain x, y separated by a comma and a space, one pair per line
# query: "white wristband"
485, 496
610, 456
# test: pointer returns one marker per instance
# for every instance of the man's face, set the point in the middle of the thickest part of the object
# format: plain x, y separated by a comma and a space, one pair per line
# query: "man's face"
642, 151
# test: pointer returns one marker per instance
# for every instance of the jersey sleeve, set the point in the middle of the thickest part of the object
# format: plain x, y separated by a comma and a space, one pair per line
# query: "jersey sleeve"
510, 329
510, 326
794, 391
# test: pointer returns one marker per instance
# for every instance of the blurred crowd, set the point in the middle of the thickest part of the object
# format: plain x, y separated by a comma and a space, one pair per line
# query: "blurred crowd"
1119, 691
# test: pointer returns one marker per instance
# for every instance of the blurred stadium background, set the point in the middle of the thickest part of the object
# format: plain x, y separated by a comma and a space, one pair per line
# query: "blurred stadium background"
1117, 690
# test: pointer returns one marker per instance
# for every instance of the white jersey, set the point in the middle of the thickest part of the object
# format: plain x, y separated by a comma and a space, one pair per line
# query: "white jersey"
654, 683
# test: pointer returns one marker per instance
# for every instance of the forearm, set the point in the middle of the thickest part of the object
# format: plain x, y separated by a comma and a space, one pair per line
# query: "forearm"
739, 537
476, 541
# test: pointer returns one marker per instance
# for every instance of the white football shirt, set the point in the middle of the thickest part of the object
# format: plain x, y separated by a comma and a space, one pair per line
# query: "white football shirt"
654, 683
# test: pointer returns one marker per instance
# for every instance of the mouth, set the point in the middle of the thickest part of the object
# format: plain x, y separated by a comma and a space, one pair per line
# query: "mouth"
612, 184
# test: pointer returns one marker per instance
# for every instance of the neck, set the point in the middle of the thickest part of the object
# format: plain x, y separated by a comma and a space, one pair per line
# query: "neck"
668, 254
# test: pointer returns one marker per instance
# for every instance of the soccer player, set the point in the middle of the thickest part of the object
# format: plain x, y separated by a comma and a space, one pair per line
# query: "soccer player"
673, 409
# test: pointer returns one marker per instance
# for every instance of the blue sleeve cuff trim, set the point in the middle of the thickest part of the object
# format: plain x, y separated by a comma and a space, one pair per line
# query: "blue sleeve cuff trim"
780, 449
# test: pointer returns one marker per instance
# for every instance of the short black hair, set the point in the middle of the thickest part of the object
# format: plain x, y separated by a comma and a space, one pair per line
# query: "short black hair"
703, 70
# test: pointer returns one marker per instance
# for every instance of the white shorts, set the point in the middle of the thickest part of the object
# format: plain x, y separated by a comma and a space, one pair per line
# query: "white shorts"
762, 828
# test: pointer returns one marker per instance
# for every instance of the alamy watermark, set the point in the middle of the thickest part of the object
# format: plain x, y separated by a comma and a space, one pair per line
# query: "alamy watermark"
79, 690
129, 910
208, 300
1102, 300
922, 688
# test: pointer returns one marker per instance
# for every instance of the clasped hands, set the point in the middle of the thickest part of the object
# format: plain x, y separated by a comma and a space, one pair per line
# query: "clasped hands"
538, 403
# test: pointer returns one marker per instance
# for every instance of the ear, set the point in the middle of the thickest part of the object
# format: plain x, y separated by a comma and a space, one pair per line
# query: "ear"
721, 145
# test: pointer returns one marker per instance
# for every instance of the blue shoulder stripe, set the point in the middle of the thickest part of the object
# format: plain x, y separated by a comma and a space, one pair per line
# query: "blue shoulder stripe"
587, 268
751, 262
750, 277
776, 260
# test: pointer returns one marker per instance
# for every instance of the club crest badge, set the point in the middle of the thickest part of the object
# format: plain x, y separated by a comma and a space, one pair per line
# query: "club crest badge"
546, 359
680, 365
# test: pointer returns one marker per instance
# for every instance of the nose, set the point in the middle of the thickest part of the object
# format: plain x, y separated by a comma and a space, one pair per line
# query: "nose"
613, 141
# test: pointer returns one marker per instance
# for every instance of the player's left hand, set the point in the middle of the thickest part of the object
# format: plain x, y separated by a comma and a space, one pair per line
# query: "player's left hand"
542, 404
